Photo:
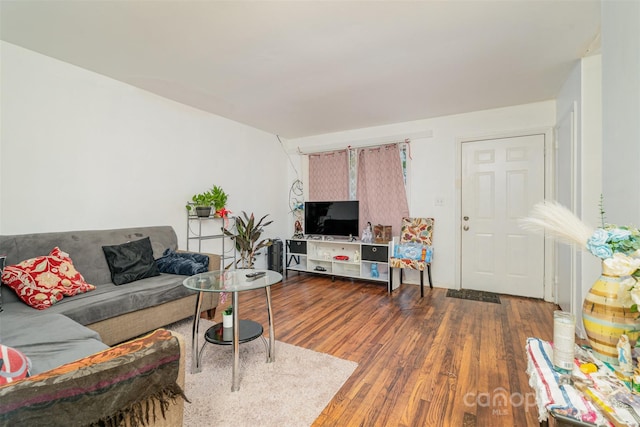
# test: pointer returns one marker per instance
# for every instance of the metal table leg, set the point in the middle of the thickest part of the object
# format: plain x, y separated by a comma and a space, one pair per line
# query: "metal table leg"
271, 355
236, 346
195, 350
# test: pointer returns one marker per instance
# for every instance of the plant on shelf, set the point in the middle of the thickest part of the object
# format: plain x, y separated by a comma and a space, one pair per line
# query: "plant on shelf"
219, 198
227, 320
247, 238
203, 202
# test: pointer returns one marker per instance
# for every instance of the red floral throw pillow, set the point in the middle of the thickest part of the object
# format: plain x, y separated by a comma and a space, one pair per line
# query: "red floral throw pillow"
71, 281
45, 280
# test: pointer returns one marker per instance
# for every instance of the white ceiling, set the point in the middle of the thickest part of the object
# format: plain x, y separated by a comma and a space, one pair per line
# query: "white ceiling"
300, 68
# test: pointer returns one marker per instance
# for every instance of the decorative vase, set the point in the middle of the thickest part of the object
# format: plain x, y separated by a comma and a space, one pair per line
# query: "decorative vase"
227, 321
605, 318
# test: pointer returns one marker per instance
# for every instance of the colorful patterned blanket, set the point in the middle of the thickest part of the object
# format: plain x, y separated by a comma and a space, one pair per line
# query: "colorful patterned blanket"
564, 400
134, 382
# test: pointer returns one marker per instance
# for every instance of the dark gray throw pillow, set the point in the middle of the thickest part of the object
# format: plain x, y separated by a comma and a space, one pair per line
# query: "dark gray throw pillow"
184, 263
131, 261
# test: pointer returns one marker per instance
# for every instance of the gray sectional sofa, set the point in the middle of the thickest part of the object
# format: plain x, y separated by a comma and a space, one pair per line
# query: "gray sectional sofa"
84, 324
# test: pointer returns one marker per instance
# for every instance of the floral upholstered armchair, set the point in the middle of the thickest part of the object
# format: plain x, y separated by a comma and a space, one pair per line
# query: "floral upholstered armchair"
414, 250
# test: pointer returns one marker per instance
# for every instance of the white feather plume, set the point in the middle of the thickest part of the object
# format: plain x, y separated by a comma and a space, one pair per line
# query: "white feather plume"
559, 222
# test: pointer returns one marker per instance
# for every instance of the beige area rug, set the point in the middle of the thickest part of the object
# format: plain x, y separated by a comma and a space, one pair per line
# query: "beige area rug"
290, 392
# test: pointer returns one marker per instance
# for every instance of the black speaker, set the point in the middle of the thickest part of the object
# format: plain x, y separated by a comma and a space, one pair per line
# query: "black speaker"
274, 256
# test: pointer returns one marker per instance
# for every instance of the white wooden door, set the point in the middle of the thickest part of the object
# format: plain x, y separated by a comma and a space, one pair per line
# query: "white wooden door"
501, 180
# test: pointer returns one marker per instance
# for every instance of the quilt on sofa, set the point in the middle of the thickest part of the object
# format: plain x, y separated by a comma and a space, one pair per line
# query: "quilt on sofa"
134, 382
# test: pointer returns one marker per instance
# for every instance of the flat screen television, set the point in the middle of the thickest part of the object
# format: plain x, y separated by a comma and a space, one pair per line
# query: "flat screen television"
337, 218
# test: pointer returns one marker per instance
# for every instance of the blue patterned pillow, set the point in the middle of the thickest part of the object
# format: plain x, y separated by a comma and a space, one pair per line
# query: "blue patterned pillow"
413, 251
183, 263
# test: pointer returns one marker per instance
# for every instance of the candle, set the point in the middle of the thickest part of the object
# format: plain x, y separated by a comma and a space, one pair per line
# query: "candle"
564, 331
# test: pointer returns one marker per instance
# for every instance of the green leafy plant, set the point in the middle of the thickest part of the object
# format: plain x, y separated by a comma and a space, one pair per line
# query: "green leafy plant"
228, 311
247, 238
219, 197
215, 197
201, 200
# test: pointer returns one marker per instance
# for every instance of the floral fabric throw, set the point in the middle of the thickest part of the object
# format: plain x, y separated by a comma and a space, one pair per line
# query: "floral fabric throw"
133, 383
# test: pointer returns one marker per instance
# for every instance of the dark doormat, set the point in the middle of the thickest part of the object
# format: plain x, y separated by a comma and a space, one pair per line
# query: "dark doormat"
474, 295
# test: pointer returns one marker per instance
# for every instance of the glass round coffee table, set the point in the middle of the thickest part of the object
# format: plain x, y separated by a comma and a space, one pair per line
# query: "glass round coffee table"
234, 282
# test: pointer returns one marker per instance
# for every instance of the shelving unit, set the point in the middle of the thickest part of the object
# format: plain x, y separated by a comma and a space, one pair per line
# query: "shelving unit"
318, 256
203, 231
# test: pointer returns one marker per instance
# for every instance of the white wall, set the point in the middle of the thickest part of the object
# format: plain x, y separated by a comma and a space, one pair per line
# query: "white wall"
82, 151
579, 177
434, 171
591, 135
621, 110
567, 183
591, 168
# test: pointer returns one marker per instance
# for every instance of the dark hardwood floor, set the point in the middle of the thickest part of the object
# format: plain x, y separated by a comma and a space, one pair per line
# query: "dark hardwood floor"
432, 361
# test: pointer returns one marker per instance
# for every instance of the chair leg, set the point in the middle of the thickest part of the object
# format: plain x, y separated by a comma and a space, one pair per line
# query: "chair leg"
429, 273
401, 270
390, 280
421, 283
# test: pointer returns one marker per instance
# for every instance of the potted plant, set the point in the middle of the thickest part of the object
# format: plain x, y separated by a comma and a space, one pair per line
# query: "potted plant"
203, 202
246, 238
227, 317
219, 197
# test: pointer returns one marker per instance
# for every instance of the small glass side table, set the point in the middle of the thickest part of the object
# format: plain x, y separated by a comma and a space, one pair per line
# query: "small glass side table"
233, 281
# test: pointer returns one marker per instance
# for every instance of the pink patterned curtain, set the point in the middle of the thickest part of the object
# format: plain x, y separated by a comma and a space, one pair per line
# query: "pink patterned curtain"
329, 176
381, 191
